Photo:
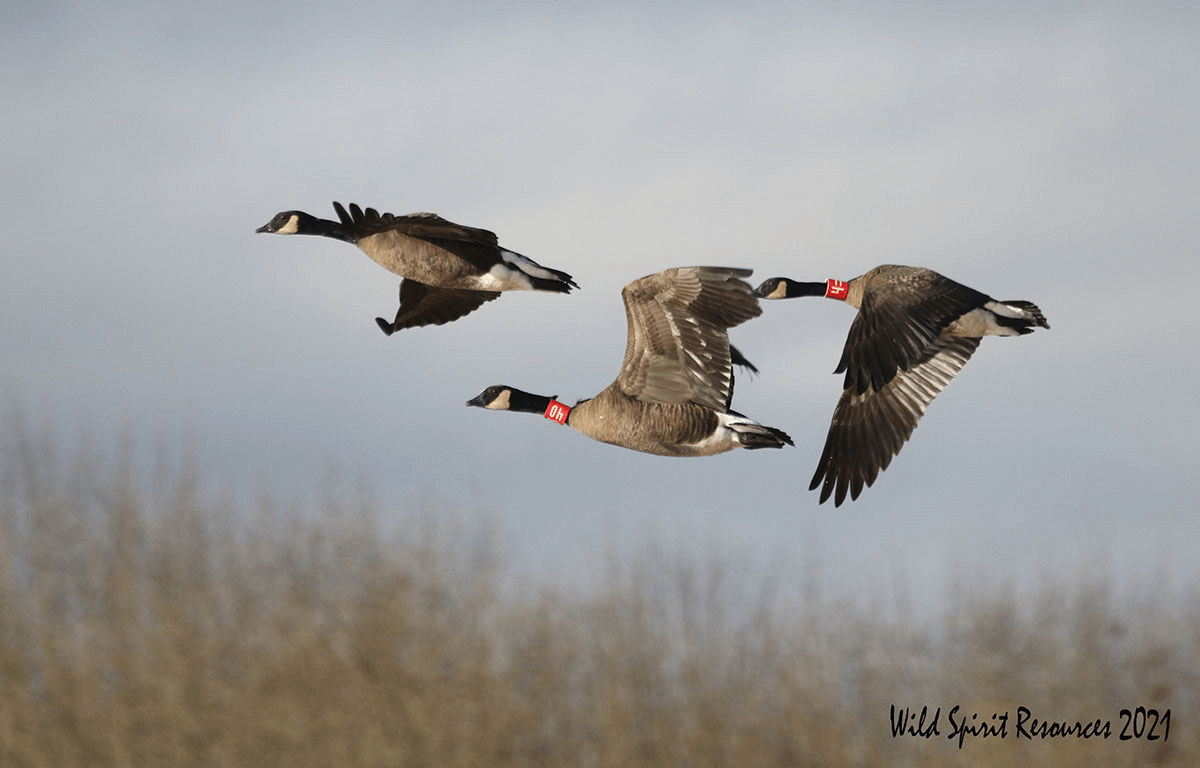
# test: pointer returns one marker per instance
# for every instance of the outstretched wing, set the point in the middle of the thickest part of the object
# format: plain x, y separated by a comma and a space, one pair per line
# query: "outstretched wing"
422, 304
678, 346
426, 226
869, 428
903, 310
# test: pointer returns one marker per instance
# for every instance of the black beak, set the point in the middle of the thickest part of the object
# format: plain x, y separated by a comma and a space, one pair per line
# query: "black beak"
477, 401
263, 228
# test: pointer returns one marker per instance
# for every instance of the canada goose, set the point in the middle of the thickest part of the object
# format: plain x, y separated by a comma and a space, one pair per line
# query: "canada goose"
449, 270
914, 331
672, 395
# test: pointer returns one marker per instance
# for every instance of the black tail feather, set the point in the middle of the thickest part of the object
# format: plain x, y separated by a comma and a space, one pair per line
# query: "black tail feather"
1023, 325
768, 437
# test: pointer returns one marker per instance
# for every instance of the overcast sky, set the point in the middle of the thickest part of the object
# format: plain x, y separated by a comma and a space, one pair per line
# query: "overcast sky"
1047, 153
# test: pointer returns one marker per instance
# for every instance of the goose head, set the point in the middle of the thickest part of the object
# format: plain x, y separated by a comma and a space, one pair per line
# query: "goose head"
291, 223
502, 397
785, 288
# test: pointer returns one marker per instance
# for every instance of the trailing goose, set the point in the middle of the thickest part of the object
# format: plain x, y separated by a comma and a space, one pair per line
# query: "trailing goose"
449, 270
914, 331
673, 393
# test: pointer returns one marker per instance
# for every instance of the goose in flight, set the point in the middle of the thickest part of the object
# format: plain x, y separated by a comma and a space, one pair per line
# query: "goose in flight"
914, 331
672, 396
449, 270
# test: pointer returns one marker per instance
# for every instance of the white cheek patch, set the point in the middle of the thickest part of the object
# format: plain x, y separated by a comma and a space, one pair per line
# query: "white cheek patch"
291, 228
779, 292
501, 402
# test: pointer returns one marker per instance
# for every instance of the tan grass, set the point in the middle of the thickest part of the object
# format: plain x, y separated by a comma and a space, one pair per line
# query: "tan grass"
142, 624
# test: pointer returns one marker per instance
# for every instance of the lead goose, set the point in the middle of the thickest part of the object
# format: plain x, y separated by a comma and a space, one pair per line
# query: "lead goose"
449, 270
914, 331
673, 393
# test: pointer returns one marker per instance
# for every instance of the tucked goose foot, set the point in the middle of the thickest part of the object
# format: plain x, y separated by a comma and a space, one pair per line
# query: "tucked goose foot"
385, 326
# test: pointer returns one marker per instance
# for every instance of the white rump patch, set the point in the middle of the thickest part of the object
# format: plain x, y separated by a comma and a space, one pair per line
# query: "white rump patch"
513, 273
982, 321
527, 265
1008, 310
725, 438
505, 277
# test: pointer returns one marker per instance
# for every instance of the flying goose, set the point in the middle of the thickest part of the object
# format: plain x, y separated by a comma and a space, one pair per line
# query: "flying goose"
672, 395
449, 270
914, 331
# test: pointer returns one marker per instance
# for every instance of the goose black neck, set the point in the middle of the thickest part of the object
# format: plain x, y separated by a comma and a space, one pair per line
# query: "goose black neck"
795, 289
326, 228
528, 403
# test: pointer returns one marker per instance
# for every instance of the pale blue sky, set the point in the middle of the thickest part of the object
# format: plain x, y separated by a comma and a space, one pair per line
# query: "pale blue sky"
1048, 154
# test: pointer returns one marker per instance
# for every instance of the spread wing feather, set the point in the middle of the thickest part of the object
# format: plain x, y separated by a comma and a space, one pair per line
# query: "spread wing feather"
422, 304
904, 309
870, 427
425, 226
678, 346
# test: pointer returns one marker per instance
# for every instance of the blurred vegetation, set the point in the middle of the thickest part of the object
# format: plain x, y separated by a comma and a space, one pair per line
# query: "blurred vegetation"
144, 624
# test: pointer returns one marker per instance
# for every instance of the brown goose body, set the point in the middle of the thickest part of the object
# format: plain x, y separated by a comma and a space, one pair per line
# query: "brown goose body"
914, 331
449, 270
672, 395
664, 429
